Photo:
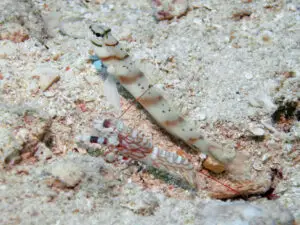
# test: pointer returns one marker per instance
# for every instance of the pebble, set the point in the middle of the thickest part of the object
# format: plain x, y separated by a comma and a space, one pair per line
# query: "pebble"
248, 76
257, 166
202, 116
291, 7
68, 173
265, 157
213, 165
257, 131
287, 148
110, 157
49, 94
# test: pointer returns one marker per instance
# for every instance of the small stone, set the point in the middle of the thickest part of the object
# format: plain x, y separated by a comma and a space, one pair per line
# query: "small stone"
198, 21
248, 76
213, 165
265, 157
110, 157
67, 173
202, 116
257, 131
257, 166
47, 81
287, 148
291, 7
49, 94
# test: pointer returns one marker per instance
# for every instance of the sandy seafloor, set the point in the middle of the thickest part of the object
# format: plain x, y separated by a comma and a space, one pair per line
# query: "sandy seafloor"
227, 65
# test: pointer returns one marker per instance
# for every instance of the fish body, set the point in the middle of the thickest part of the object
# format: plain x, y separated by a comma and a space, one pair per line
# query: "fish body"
120, 65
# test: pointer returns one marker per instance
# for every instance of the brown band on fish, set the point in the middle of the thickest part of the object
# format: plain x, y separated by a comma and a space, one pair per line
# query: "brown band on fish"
113, 57
112, 44
172, 123
194, 140
130, 79
149, 101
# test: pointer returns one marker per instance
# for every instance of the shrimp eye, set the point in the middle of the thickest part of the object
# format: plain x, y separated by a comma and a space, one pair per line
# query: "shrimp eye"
106, 123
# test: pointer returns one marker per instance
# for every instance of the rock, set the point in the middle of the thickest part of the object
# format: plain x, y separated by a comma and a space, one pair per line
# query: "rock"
68, 173
242, 188
265, 157
256, 130
213, 165
257, 166
47, 81
110, 157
